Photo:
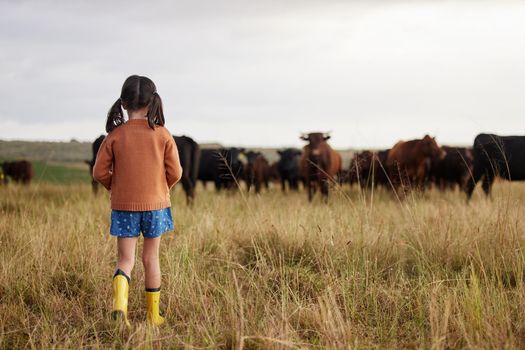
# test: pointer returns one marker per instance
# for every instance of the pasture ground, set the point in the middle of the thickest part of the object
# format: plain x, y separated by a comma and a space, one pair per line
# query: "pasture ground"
271, 271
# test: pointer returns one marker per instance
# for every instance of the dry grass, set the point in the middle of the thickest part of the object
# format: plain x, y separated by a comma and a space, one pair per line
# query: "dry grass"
271, 272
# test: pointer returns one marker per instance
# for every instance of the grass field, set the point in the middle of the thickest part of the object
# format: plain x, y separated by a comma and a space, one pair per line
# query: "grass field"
271, 272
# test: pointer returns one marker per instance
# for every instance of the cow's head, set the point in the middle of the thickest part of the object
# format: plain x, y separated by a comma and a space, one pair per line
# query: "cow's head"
251, 156
7, 166
315, 139
289, 154
431, 149
232, 155
289, 158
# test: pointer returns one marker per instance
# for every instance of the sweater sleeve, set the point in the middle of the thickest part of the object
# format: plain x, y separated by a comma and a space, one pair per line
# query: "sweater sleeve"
172, 163
103, 168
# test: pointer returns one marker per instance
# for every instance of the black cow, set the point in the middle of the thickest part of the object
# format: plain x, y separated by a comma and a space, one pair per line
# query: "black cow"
222, 166
368, 169
189, 154
380, 168
454, 169
94, 147
361, 169
20, 171
288, 168
494, 155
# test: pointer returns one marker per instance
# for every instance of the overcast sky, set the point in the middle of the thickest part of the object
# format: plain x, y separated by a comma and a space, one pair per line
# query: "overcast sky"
260, 72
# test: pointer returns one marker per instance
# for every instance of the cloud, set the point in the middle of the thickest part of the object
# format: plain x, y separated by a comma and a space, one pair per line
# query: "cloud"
258, 73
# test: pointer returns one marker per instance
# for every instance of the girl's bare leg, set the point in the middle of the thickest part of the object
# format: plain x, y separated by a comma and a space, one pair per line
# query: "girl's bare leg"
126, 253
150, 259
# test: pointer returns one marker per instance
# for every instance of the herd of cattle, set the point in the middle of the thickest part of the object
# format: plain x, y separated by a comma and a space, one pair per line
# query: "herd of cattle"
415, 164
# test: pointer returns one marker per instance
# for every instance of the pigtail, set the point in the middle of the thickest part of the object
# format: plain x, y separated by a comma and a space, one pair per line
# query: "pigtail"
115, 116
155, 112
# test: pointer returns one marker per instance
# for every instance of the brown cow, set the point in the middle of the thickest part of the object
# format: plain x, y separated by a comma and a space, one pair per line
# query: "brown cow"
257, 171
319, 163
274, 172
409, 162
19, 171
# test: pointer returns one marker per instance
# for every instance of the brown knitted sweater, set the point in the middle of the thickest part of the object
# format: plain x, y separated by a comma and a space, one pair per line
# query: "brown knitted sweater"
138, 165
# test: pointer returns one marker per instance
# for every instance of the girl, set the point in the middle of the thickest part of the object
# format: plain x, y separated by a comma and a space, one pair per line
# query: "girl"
139, 163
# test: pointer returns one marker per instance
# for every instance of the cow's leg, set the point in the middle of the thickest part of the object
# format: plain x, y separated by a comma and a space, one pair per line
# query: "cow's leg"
421, 176
324, 188
395, 178
188, 189
398, 180
488, 180
257, 182
464, 182
310, 185
218, 185
283, 185
191, 197
442, 185
473, 179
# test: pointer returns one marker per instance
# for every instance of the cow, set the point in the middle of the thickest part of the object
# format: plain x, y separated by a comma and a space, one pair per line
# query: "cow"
361, 169
454, 169
368, 169
95, 146
380, 168
408, 162
319, 163
189, 155
222, 166
502, 156
256, 171
274, 172
288, 168
20, 171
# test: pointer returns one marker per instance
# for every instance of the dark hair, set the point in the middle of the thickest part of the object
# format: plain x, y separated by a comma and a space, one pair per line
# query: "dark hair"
137, 92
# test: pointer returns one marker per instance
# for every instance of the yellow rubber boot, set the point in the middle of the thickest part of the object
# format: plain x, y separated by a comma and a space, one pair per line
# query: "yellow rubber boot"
120, 299
152, 302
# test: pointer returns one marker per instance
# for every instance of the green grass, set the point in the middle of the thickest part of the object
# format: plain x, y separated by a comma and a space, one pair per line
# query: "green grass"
60, 173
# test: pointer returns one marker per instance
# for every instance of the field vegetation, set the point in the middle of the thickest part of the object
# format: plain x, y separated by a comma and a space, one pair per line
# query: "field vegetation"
271, 271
